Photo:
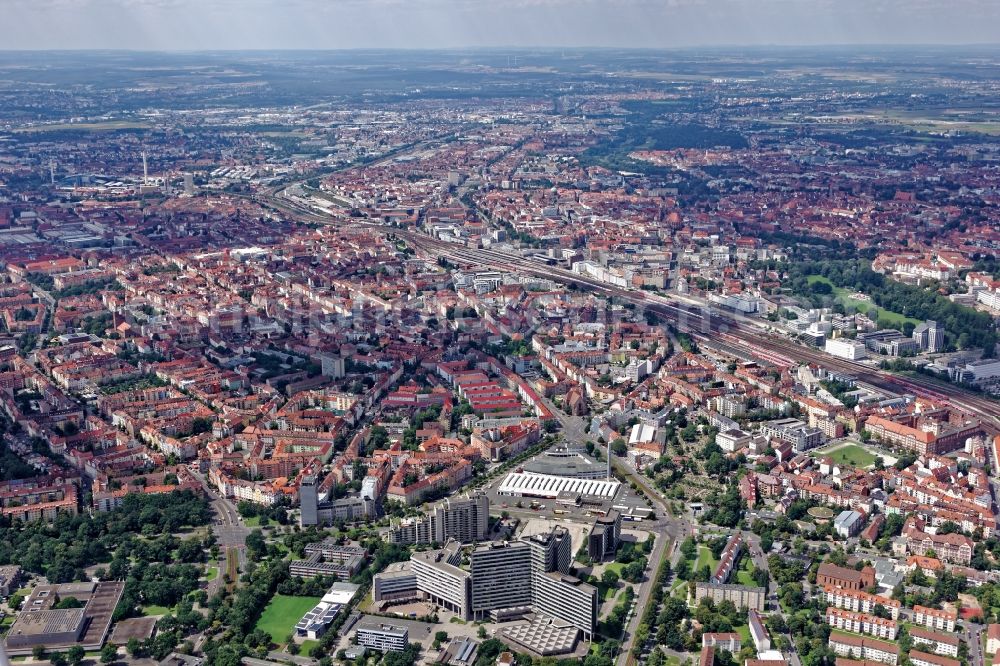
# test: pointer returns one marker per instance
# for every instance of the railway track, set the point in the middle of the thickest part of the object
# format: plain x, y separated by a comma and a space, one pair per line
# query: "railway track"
702, 323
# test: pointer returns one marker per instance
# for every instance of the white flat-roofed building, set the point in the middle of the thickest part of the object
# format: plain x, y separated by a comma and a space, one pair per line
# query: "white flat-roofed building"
568, 599
527, 484
732, 440
383, 637
316, 621
852, 350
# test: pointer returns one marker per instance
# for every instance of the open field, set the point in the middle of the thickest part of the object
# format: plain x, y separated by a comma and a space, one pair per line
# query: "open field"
851, 303
107, 126
282, 613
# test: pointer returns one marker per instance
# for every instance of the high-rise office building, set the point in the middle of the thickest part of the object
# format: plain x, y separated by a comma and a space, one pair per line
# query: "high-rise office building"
308, 501
440, 579
605, 536
929, 336
501, 576
319, 510
530, 573
550, 551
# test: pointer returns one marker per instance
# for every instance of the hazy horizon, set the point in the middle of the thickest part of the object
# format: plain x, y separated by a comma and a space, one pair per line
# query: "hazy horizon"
265, 25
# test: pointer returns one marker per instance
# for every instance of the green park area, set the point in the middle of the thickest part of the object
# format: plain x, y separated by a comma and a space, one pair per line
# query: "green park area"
282, 614
850, 455
852, 304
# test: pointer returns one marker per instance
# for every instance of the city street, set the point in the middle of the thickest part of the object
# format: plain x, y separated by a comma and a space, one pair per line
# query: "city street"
665, 527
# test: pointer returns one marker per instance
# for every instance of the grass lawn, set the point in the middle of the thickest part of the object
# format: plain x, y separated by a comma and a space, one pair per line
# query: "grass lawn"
616, 567
156, 610
853, 304
6, 623
306, 646
605, 592
212, 573
705, 557
743, 576
282, 614
852, 455
744, 631
252, 521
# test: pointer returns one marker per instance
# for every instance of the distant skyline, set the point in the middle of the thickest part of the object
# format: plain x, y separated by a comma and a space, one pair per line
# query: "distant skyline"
351, 24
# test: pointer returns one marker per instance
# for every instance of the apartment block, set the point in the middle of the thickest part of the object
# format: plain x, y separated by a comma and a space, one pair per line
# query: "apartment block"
918, 658
859, 647
861, 623
858, 601
463, 519
943, 644
932, 618
741, 595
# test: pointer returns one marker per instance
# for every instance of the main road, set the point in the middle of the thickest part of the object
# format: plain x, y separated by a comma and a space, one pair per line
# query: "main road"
667, 529
229, 531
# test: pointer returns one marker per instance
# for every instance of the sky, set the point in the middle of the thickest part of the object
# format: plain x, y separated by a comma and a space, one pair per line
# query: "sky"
351, 24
